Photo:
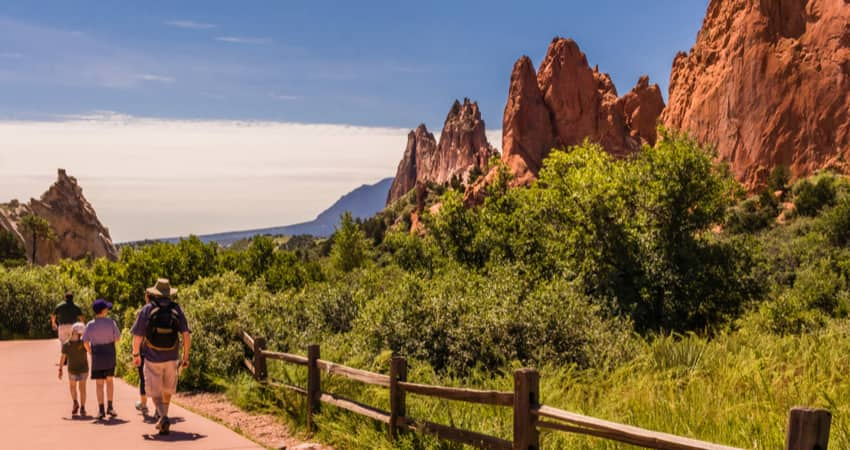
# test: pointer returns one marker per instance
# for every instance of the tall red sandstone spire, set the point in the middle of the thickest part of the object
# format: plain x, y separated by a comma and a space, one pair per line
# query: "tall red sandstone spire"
463, 146
767, 83
566, 102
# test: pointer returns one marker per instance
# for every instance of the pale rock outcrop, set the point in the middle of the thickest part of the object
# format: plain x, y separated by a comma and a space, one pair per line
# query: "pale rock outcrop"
78, 233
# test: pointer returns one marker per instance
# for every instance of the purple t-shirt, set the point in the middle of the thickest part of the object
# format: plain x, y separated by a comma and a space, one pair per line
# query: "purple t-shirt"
141, 326
102, 333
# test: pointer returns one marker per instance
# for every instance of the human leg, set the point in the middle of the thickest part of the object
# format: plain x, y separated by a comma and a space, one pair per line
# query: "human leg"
81, 385
72, 386
142, 404
169, 383
153, 384
98, 389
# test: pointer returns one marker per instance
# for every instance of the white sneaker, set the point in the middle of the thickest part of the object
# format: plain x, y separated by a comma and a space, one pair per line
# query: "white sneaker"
141, 407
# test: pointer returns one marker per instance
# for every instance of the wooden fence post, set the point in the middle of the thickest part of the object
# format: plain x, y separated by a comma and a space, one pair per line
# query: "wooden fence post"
398, 372
260, 371
526, 397
314, 385
808, 429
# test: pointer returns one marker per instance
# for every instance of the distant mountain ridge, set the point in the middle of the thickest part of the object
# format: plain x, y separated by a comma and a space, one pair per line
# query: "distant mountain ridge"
363, 202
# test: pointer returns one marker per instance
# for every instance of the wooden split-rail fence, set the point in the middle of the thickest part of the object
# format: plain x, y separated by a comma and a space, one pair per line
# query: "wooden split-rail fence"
808, 429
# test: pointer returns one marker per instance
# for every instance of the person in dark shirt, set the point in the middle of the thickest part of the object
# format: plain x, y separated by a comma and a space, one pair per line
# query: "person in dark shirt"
142, 402
64, 315
75, 354
160, 326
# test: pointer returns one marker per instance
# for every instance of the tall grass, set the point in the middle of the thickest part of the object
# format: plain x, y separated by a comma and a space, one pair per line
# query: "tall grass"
735, 389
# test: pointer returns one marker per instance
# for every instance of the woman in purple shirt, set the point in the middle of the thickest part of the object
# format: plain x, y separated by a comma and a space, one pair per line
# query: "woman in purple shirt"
99, 338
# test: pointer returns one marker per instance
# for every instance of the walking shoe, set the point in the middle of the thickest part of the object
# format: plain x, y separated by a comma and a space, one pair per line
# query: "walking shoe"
101, 415
83, 411
111, 412
163, 425
75, 409
141, 407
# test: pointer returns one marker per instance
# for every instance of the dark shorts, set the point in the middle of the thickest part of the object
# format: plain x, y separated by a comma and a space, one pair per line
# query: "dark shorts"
101, 374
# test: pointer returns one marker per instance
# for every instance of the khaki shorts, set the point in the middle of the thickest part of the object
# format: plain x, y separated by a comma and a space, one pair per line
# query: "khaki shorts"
160, 378
64, 333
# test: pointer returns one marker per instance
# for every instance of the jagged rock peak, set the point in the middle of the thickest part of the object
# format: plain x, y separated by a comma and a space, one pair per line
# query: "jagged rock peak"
767, 83
566, 102
462, 148
420, 145
77, 230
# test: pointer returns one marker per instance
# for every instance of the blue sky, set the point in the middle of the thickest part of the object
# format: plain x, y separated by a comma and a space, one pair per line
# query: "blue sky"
195, 116
372, 63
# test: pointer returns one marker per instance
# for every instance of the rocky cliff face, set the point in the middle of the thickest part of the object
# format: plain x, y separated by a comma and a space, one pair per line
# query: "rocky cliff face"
418, 153
565, 102
462, 147
767, 83
72, 219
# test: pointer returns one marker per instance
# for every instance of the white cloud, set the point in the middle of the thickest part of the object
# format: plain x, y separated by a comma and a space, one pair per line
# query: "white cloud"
152, 77
189, 24
283, 97
243, 40
151, 177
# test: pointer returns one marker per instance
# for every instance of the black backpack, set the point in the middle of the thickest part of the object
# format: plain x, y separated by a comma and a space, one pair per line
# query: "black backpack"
163, 326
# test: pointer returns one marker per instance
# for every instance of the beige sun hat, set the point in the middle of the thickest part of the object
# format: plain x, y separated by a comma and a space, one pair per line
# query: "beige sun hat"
162, 288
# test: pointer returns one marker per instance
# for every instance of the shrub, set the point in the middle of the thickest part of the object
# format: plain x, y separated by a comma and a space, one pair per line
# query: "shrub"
28, 296
811, 195
836, 223
10, 248
753, 214
350, 247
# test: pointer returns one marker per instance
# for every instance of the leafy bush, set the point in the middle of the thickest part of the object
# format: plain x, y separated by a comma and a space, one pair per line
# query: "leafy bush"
11, 250
28, 296
837, 223
350, 247
811, 195
753, 214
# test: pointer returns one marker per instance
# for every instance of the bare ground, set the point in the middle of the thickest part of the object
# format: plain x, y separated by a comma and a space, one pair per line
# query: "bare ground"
265, 429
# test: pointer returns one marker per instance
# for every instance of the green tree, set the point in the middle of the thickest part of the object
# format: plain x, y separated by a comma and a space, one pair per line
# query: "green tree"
39, 230
350, 246
691, 279
10, 247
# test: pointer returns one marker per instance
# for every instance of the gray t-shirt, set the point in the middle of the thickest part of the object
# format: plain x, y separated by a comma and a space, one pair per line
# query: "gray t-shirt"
102, 333
141, 326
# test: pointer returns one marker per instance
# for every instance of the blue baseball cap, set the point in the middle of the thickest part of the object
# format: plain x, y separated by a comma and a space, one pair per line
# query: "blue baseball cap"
100, 304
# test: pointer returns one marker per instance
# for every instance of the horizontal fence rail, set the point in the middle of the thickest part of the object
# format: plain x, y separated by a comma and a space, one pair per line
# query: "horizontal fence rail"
808, 429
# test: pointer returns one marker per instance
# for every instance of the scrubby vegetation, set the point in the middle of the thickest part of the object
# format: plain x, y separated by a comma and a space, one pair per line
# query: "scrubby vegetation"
649, 290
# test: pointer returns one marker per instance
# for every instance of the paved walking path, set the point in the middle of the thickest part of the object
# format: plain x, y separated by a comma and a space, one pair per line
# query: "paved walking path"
35, 411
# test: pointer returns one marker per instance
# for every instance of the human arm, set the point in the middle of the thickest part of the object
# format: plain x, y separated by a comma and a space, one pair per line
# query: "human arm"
187, 336
137, 349
62, 358
53, 322
187, 342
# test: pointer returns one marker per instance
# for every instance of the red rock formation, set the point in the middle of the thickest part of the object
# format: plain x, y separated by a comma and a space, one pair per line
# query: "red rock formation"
78, 232
463, 146
565, 103
526, 128
417, 154
767, 83
642, 107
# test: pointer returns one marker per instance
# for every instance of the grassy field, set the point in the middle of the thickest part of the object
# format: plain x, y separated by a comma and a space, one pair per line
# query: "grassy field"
735, 389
